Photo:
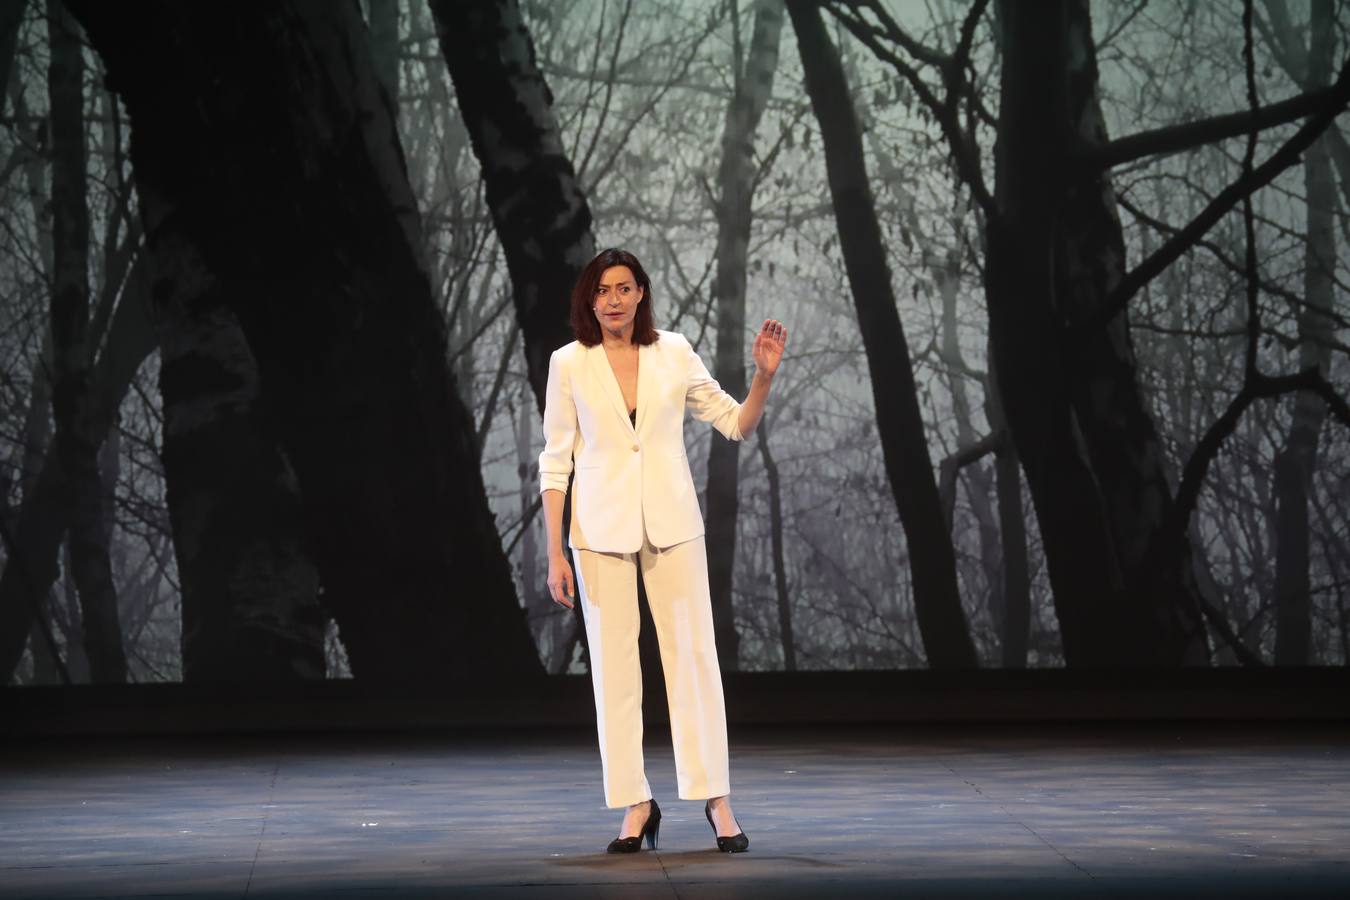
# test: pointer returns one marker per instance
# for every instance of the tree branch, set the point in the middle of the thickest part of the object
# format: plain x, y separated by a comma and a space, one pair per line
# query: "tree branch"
894, 32
1248, 216
1275, 290
1189, 135
1257, 386
1185, 239
952, 466
961, 57
944, 110
1219, 622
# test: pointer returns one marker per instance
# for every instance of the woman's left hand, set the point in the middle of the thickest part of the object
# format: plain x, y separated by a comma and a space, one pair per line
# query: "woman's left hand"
769, 344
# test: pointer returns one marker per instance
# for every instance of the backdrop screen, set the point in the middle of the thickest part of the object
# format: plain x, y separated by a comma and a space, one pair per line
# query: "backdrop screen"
1064, 286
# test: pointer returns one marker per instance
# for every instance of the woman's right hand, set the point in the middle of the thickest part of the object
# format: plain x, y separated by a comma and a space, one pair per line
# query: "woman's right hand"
560, 586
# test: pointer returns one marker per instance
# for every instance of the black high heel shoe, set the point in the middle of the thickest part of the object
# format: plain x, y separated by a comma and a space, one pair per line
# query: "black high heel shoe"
737, 843
649, 831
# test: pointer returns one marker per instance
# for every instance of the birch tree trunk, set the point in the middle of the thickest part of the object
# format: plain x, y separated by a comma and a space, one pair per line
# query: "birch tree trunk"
37, 434
1297, 460
77, 660
1003, 554
1014, 571
542, 219
41, 524
980, 486
47, 668
272, 150
73, 350
736, 173
1079, 420
786, 638
937, 601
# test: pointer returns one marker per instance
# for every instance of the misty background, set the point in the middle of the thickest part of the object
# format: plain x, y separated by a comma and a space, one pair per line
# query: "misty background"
278, 287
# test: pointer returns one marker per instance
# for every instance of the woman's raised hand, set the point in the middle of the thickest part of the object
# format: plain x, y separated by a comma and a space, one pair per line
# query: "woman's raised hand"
560, 586
769, 344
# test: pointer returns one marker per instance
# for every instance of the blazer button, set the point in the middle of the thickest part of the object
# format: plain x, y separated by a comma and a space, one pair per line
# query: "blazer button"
635, 448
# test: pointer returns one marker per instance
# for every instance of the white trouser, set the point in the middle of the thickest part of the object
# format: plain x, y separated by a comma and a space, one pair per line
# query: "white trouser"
676, 579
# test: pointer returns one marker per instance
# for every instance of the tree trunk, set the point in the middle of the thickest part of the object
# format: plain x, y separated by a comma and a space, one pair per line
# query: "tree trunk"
548, 621
1297, 460
73, 349
542, 219
753, 85
1014, 571
41, 524
48, 668
43, 518
36, 445
297, 201
35, 176
383, 17
11, 20
979, 482
77, 660
249, 590
19, 480
1088, 445
937, 601
1003, 575
1031, 371
786, 639
1163, 600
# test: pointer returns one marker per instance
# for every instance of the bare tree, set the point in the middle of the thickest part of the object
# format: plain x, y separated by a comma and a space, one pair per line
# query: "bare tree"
542, 218
73, 351
786, 640
995, 498
1311, 67
937, 601
1125, 590
332, 294
752, 84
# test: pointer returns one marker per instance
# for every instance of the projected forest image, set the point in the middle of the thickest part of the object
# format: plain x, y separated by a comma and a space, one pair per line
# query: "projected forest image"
1066, 283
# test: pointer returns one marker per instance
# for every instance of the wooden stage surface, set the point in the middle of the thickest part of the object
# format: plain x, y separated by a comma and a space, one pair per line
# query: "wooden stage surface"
1015, 810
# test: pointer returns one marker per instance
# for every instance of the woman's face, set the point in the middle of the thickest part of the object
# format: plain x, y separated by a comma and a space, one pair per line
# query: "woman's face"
616, 301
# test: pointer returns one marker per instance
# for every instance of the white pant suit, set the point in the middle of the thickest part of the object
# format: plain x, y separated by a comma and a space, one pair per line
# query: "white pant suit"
634, 507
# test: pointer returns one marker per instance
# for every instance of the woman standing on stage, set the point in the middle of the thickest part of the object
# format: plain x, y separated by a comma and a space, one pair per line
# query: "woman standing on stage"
614, 416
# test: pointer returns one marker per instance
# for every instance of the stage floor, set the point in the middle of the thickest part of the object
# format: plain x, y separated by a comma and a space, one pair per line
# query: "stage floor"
1156, 810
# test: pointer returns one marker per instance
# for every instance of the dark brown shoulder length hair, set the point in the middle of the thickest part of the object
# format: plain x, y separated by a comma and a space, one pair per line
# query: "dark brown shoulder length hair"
584, 324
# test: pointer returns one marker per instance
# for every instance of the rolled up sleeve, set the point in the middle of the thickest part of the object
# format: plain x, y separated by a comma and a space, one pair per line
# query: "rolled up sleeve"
708, 402
560, 428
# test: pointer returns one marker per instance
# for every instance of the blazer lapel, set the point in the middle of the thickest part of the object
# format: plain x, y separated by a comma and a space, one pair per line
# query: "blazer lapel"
646, 359
603, 374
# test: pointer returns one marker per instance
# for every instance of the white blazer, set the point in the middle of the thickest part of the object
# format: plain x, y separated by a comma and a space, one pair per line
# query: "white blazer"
627, 475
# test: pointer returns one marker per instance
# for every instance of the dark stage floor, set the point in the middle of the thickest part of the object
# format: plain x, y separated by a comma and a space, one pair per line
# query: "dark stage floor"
1157, 810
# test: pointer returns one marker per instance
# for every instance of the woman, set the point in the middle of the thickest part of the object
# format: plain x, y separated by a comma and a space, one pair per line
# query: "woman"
614, 414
